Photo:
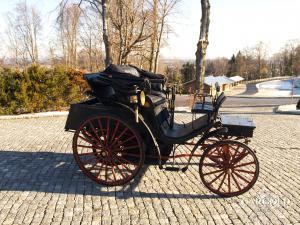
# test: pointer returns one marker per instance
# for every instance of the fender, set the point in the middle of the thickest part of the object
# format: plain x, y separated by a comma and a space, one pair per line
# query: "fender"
148, 129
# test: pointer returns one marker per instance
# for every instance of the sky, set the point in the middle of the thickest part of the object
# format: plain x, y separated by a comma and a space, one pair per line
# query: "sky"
235, 25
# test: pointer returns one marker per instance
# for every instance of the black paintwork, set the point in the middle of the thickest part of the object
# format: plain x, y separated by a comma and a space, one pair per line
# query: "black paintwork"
116, 84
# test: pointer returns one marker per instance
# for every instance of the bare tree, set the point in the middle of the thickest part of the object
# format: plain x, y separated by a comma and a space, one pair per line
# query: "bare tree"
91, 41
101, 6
129, 21
132, 30
68, 27
217, 66
23, 32
14, 43
202, 46
161, 10
260, 53
166, 8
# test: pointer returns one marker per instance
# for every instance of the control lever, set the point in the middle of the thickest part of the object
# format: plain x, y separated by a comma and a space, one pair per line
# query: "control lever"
172, 105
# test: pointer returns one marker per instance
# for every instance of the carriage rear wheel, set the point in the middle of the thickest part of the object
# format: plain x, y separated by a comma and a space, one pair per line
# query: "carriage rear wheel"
108, 150
228, 168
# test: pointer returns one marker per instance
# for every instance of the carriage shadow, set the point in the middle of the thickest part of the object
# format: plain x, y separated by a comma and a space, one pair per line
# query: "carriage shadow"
52, 172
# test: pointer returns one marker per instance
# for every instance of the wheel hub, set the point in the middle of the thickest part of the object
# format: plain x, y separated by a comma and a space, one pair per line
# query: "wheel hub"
104, 154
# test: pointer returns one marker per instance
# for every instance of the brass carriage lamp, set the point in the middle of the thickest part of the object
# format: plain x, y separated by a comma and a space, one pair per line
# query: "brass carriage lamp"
142, 98
138, 98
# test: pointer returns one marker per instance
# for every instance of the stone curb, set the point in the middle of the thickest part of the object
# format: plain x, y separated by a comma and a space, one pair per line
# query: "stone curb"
65, 113
35, 115
266, 97
284, 109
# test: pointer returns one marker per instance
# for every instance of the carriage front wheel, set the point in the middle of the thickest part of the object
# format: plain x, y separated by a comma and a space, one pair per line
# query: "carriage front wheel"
228, 168
108, 150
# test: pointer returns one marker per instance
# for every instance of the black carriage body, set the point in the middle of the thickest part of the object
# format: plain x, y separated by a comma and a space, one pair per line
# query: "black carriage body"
116, 84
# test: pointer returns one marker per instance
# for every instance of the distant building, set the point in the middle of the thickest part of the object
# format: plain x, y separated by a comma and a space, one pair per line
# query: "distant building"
237, 79
296, 83
209, 83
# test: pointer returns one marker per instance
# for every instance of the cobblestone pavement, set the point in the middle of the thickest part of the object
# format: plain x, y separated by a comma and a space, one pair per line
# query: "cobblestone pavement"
41, 184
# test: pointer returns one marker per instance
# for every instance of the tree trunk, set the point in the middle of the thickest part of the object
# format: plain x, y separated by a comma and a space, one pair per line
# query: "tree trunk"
153, 37
202, 46
159, 44
108, 58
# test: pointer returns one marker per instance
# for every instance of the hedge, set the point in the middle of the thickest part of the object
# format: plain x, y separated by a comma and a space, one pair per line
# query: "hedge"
39, 89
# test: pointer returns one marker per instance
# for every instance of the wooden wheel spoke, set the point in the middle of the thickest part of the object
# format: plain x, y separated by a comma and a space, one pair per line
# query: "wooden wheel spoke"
244, 164
124, 177
126, 161
130, 154
222, 182
241, 177
129, 170
91, 147
215, 159
114, 173
87, 133
101, 167
126, 148
211, 165
229, 185
118, 138
128, 139
245, 171
216, 178
101, 128
88, 153
93, 166
106, 172
240, 157
95, 132
107, 132
236, 182
235, 153
215, 150
213, 172
85, 139
114, 132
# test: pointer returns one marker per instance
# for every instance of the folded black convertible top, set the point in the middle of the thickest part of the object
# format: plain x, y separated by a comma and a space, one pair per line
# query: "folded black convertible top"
130, 71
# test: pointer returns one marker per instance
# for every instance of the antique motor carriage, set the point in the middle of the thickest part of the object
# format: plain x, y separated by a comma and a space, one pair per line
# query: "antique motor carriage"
129, 121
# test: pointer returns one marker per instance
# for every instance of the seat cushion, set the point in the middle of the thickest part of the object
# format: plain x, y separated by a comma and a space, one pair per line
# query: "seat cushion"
182, 130
200, 107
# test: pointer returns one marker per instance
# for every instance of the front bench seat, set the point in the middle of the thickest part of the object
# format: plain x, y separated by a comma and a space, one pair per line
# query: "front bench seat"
183, 131
208, 107
180, 133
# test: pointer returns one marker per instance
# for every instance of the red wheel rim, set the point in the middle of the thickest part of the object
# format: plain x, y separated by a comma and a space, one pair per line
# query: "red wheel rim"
229, 168
108, 150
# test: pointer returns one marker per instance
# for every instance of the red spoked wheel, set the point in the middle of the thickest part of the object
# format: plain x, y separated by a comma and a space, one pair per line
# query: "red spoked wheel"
108, 150
229, 168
